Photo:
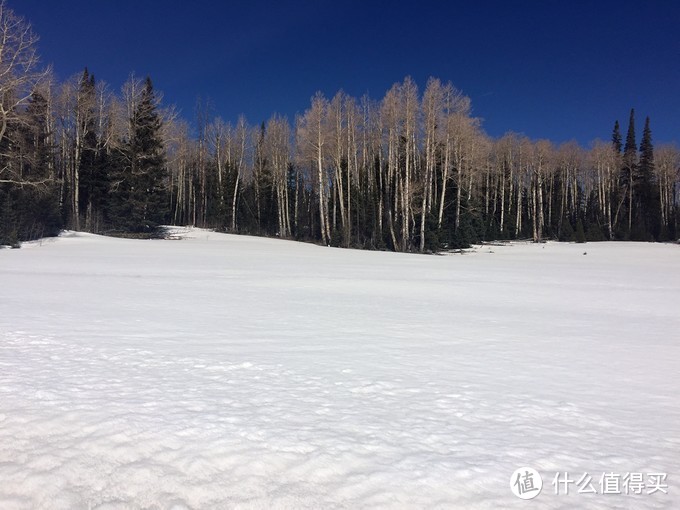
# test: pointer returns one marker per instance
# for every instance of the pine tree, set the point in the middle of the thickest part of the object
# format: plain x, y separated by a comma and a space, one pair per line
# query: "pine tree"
646, 196
93, 176
579, 234
630, 149
629, 168
646, 167
616, 138
142, 201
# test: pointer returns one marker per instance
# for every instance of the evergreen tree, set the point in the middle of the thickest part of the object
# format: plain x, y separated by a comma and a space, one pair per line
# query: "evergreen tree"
646, 197
630, 149
141, 202
93, 176
616, 138
579, 234
646, 148
628, 171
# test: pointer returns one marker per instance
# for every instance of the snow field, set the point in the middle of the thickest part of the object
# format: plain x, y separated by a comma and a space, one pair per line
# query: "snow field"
220, 371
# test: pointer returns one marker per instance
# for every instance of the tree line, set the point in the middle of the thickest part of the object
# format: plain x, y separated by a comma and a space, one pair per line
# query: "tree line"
409, 172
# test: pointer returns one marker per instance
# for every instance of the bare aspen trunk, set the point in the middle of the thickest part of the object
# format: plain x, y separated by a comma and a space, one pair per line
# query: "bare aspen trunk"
630, 198
574, 195
75, 196
75, 178
381, 194
445, 177
486, 191
502, 186
422, 222
241, 133
495, 201
610, 226
551, 189
563, 198
541, 220
297, 203
235, 198
286, 209
533, 208
352, 163
405, 197
322, 213
518, 218
459, 182
179, 203
193, 204
511, 187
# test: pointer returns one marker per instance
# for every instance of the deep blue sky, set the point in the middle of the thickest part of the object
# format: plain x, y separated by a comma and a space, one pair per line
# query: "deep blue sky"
549, 69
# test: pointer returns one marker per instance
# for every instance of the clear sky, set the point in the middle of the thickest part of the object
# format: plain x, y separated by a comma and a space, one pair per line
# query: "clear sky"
551, 69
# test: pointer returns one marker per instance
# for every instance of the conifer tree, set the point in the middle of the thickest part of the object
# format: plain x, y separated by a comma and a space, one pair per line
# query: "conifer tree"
629, 167
141, 202
93, 178
646, 167
616, 138
630, 149
646, 197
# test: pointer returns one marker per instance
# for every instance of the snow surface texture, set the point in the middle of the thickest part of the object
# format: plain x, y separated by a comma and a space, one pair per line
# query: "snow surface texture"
222, 371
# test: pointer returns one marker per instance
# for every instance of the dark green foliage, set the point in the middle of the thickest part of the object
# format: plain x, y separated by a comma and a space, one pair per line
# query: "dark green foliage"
567, 231
627, 179
594, 232
616, 138
140, 197
579, 234
471, 229
93, 168
28, 213
433, 235
630, 149
668, 232
31, 210
336, 239
647, 211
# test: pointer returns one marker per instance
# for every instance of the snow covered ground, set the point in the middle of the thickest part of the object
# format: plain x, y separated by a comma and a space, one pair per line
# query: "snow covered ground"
221, 371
